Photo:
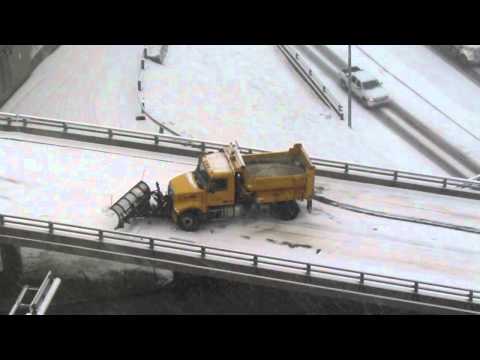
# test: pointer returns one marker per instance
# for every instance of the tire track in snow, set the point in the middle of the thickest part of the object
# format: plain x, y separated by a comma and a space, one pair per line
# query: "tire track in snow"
451, 152
417, 93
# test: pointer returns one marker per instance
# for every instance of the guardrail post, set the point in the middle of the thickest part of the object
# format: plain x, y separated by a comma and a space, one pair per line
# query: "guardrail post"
346, 168
310, 72
395, 175
50, 227
202, 147
444, 183
362, 278
2, 221
139, 85
9, 122
110, 134
160, 130
65, 127
24, 121
202, 252
100, 235
255, 260
296, 56
309, 269
151, 243
144, 52
415, 287
470, 296
156, 140
340, 110
143, 64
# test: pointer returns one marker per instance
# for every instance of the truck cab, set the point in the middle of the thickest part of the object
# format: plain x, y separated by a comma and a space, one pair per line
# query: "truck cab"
210, 186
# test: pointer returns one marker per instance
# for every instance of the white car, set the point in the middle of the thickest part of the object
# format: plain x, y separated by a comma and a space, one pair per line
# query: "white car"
364, 86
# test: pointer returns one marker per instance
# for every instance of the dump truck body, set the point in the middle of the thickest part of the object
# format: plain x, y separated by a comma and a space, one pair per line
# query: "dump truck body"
279, 176
224, 181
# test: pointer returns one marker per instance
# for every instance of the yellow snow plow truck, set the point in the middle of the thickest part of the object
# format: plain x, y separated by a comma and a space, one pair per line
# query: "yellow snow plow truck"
224, 183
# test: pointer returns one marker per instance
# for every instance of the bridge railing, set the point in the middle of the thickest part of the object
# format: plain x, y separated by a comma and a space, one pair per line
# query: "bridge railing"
21, 122
244, 258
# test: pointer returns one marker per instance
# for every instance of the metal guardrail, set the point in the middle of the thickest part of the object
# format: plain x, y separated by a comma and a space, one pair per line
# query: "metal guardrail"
308, 270
312, 80
141, 94
20, 122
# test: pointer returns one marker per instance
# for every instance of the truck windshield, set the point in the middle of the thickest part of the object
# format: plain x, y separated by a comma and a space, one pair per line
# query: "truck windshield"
368, 85
201, 176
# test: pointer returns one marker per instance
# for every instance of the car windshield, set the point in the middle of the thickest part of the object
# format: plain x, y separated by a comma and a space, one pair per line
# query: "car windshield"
201, 176
370, 84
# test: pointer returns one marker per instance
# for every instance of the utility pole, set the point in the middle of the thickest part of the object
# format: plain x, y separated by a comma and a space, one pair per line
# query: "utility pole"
349, 86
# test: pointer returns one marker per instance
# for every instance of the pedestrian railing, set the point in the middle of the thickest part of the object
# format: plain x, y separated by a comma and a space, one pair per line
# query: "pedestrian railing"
305, 269
132, 138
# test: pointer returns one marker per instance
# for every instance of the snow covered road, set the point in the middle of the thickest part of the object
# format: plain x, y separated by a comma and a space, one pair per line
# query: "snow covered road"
443, 99
36, 183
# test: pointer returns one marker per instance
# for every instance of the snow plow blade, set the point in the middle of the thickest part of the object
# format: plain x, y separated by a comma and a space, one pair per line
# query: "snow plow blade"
135, 203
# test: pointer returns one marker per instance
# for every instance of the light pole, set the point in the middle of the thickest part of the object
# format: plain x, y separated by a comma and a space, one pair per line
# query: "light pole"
349, 86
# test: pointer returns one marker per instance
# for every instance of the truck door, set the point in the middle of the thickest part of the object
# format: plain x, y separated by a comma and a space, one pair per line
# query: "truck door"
221, 192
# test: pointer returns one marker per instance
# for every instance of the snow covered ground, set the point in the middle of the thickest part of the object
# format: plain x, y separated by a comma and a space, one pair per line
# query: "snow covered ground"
252, 94
245, 93
41, 186
455, 111
95, 84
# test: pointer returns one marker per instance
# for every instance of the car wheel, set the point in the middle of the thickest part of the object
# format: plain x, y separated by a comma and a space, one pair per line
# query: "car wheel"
189, 220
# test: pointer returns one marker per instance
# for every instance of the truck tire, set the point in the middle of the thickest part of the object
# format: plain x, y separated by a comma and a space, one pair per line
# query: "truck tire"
286, 211
189, 220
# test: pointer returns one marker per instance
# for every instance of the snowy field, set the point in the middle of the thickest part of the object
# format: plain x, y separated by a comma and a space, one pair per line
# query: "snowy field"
252, 94
454, 114
41, 186
87, 83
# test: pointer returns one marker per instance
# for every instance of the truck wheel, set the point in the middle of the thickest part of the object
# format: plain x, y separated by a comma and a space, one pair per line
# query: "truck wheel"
189, 221
285, 210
